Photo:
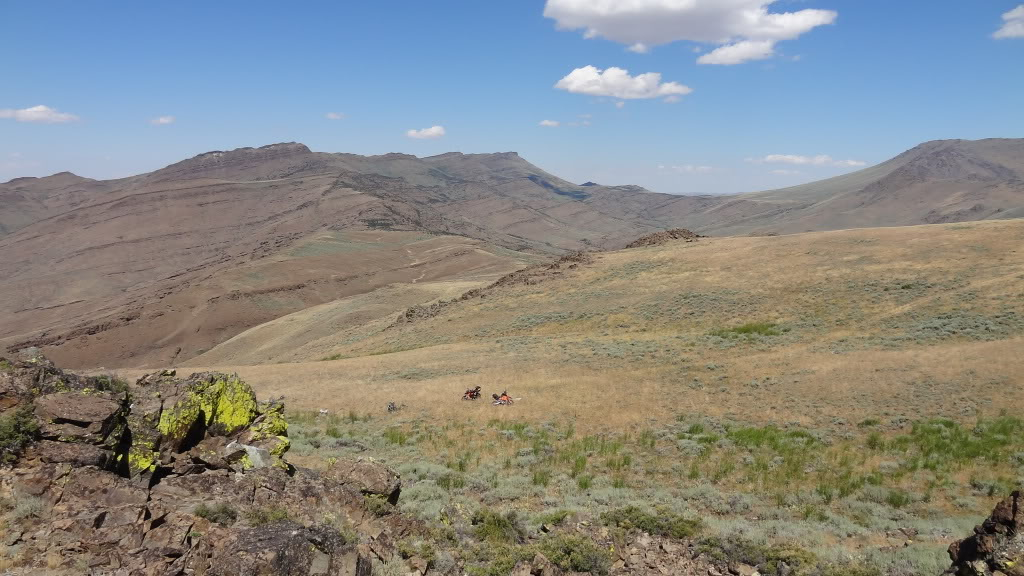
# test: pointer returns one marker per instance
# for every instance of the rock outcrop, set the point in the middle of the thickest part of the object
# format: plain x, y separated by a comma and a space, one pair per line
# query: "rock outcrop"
659, 238
997, 545
174, 476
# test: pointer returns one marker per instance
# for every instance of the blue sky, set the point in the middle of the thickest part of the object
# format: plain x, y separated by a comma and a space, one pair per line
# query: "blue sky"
834, 85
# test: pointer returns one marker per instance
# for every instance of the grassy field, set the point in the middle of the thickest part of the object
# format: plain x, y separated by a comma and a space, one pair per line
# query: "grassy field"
855, 394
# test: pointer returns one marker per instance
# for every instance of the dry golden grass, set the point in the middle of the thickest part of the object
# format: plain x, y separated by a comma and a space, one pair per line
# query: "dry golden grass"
894, 323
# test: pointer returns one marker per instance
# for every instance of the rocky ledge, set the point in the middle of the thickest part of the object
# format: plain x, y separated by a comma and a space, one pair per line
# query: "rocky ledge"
171, 476
997, 546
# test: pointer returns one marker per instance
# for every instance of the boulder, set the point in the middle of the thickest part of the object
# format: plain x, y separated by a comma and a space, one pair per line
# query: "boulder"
77, 416
208, 403
78, 455
368, 476
997, 545
284, 549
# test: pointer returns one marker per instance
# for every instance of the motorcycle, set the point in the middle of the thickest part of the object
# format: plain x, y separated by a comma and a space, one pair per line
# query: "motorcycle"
472, 394
503, 400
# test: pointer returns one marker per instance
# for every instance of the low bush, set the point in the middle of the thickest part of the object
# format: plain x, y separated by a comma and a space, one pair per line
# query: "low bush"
576, 554
220, 513
497, 528
266, 515
18, 429
661, 523
378, 505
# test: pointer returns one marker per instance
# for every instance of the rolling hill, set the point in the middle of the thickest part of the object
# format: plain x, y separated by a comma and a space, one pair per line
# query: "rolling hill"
161, 267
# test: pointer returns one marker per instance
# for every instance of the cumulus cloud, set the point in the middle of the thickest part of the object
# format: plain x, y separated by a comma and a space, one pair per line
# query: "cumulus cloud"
819, 160
432, 133
335, 116
1013, 24
550, 123
162, 120
744, 29
38, 114
617, 83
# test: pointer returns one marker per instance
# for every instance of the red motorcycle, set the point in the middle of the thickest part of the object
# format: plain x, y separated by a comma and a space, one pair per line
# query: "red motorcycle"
472, 394
503, 400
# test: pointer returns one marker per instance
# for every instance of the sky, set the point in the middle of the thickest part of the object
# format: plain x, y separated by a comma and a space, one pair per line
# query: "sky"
678, 96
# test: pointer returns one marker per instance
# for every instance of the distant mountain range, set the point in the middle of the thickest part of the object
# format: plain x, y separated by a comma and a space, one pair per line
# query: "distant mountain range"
203, 249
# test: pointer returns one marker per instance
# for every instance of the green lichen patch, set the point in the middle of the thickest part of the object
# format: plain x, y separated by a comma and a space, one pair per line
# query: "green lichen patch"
236, 405
270, 424
225, 404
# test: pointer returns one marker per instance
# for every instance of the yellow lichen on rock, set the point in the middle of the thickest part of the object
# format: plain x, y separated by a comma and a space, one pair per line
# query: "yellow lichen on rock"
225, 403
236, 405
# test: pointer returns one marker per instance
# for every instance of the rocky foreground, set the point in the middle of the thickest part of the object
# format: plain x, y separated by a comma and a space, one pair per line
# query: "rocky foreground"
121, 477
188, 476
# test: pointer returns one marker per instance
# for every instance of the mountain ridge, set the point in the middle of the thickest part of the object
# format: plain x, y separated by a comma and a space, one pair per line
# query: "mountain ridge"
205, 248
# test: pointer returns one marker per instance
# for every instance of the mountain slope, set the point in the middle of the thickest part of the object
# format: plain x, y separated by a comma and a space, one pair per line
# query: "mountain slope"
940, 181
162, 266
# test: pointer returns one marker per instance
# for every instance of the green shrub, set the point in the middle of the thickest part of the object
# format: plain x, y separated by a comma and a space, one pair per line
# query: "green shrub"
497, 528
553, 518
576, 554
396, 436
266, 515
334, 432
898, 499
769, 560
584, 482
18, 429
660, 523
221, 513
451, 481
541, 477
109, 383
378, 505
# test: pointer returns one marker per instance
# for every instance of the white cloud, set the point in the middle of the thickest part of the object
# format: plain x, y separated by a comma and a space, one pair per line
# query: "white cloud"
819, 160
1013, 24
739, 52
639, 48
162, 120
617, 83
620, 105
740, 27
432, 133
335, 116
687, 168
39, 114
550, 123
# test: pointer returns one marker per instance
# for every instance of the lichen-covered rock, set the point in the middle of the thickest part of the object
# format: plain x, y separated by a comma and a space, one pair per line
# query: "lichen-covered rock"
997, 546
122, 471
217, 404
